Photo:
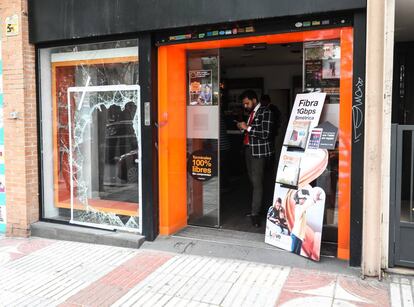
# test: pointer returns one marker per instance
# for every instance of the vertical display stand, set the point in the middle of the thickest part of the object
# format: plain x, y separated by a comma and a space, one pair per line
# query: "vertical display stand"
294, 221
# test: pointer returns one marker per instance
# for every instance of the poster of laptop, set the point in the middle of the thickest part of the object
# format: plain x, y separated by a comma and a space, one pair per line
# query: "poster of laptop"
200, 87
298, 134
288, 170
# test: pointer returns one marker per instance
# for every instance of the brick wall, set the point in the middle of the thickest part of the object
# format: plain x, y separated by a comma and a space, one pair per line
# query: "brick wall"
20, 134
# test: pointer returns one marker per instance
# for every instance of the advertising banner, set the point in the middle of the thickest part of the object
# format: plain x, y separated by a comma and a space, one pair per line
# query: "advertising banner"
202, 110
322, 69
294, 221
200, 87
329, 136
202, 165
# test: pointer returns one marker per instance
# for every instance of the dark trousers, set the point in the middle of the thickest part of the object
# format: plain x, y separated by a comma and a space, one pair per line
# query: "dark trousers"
255, 170
296, 244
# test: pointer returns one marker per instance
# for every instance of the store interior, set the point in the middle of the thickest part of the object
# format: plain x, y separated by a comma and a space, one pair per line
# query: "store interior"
273, 70
276, 71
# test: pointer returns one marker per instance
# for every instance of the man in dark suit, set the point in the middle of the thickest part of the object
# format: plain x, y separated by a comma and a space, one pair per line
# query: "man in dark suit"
258, 147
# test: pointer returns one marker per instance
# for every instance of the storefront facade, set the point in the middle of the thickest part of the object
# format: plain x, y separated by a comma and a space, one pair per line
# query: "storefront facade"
112, 104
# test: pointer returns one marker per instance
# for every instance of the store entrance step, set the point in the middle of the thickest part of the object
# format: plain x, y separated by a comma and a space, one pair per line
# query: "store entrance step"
86, 235
232, 244
225, 236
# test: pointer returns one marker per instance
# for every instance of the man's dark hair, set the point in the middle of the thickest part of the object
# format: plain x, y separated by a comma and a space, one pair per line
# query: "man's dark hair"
265, 100
249, 94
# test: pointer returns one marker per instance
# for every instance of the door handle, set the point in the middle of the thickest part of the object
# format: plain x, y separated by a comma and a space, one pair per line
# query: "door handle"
147, 114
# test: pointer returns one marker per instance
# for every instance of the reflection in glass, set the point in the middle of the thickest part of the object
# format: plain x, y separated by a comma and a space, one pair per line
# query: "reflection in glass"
104, 160
203, 195
328, 181
407, 177
105, 133
203, 134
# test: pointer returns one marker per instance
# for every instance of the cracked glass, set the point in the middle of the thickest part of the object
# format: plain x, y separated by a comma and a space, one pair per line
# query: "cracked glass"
91, 134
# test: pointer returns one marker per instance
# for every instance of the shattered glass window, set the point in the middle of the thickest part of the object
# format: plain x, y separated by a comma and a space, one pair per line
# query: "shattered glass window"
91, 134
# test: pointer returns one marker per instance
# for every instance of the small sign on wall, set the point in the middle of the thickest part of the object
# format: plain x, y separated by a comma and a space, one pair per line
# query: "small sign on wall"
12, 25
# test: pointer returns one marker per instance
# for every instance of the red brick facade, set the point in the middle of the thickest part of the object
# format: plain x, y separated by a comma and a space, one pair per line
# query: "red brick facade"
21, 156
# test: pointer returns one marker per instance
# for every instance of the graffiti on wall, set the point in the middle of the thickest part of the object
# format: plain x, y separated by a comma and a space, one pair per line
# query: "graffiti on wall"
357, 110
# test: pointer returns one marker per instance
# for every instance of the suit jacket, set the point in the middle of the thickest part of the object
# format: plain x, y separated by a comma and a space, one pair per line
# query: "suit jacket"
260, 134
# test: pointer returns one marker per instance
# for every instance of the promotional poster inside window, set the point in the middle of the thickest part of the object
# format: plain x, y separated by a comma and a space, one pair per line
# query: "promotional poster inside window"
322, 67
294, 221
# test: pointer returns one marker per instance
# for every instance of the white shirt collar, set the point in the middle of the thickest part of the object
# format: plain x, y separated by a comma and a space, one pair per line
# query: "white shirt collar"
256, 107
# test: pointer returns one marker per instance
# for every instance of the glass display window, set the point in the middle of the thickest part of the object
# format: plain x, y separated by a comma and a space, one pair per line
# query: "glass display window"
90, 101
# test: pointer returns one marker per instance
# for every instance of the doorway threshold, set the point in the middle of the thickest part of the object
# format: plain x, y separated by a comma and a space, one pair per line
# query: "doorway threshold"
232, 244
226, 236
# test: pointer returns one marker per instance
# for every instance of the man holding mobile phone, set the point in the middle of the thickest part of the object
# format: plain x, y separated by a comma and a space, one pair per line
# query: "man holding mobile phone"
257, 147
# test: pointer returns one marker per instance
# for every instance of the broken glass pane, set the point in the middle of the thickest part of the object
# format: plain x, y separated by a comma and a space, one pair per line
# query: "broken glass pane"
104, 160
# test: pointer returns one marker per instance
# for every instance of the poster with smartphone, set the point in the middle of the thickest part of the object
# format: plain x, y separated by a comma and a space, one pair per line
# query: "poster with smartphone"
295, 218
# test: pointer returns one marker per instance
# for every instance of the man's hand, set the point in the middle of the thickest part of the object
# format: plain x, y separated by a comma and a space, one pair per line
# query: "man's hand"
242, 126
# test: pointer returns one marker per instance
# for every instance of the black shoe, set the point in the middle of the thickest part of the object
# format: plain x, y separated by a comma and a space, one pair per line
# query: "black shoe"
255, 220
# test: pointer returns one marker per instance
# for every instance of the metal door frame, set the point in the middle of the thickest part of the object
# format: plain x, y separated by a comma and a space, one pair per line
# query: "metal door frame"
218, 224
395, 194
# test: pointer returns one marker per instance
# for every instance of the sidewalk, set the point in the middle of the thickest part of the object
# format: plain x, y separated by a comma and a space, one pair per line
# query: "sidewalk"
40, 272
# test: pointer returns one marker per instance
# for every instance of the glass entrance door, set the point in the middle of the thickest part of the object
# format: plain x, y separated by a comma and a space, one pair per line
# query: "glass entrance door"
203, 129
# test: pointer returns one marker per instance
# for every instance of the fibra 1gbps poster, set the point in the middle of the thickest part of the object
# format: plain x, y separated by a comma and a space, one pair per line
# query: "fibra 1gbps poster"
294, 221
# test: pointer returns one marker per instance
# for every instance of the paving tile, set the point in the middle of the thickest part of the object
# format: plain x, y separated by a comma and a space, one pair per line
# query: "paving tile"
310, 280
395, 294
57, 273
344, 303
407, 295
368, 291
13, 249
206, 287
111, 287
48, 275
297, 299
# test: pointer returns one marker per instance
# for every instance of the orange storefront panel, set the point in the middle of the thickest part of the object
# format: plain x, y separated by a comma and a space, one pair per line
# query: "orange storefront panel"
172, 124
